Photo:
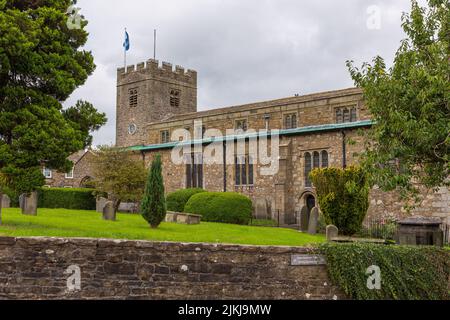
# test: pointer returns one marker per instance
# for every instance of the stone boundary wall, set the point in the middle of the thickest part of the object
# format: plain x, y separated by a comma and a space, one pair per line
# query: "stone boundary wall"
46, 268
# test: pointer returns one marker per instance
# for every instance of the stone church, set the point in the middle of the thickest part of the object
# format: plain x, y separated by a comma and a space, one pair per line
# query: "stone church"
155, 101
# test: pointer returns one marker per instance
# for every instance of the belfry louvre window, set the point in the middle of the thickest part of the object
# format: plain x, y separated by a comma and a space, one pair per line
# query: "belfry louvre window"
290, 121
175, 97
133, 97
243, 169
165, 136
313, 161
346, 115
194, 170
241, 125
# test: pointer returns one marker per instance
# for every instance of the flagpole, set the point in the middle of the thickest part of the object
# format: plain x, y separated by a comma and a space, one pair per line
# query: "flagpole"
125, 52
154, 44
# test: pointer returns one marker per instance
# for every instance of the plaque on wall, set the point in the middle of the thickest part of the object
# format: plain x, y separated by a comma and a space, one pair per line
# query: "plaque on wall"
307, 260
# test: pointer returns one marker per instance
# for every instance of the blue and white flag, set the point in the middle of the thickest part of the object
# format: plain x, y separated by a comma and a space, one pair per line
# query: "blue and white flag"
126, 44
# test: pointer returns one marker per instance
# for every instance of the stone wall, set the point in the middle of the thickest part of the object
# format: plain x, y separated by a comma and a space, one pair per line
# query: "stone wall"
83, 170
39, 268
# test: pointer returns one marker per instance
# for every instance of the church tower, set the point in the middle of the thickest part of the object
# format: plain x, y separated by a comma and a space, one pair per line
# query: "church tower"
148, 93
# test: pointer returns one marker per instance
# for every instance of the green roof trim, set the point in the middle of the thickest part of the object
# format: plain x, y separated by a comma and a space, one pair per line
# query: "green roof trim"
283, 132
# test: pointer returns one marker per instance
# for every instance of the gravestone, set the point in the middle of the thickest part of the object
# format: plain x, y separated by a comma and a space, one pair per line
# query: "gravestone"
100, 204
171, 216
109, 213
304, 219
188, 218
313, 221
6, 201
21, 201
30, 204
332, 232
261, 209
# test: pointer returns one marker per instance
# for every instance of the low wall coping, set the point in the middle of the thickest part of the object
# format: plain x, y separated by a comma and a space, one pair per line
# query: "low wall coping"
181, 246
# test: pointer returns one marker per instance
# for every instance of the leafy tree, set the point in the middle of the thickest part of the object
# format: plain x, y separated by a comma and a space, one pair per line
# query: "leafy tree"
343, 196
409, 144
118, 174
153, 207
41, 64
85, 118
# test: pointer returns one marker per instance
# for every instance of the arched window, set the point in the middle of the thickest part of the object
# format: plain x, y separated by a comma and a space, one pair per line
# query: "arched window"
316, 160
308, 168
324, 156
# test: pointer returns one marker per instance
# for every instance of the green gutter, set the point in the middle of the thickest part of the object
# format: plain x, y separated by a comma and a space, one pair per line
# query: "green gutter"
262, 134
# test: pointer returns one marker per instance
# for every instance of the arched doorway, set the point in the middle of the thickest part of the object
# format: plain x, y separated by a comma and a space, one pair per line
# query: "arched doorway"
87, 182
310, 202
306, 200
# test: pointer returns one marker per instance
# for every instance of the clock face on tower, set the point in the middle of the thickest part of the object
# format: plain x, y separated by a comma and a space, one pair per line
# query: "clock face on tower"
132, 128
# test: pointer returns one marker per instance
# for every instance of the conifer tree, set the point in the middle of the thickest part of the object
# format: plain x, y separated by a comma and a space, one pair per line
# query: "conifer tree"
153, 206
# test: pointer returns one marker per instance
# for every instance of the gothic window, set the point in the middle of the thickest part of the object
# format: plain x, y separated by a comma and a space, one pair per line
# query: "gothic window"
290, 121
353, 115
194, 170
316, 160
175, 97
165, 136
339, 116
243, 170
308, 169
324, 159
241, 125
133, 97
346, 115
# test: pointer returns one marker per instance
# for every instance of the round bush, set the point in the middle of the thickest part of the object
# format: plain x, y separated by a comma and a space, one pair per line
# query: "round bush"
225, 207
177, 200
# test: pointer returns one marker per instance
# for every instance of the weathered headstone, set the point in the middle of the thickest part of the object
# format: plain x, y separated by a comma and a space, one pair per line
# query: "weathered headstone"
304, 219
30, 204
109, 212
332, 232
187, 218
171, 216
313, 221
6, 201
261, 209
22, 200
100, 204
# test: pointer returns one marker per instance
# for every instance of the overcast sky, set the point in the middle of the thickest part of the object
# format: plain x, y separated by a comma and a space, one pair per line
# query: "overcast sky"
243, 50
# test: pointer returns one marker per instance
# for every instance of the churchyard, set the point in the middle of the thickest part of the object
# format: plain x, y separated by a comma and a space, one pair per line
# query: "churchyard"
90, 224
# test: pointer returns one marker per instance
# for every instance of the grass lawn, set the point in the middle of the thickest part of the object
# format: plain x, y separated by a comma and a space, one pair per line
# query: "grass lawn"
89, 224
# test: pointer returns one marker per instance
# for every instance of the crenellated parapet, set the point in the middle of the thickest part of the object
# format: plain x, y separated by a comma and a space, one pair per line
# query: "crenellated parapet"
164, 69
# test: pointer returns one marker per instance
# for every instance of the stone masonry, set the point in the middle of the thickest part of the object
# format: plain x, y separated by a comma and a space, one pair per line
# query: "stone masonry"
41, 268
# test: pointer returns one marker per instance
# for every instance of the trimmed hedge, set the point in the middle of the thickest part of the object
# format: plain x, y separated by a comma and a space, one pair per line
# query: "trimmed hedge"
343, 196
176, 201
407, 273
66, 198
225, 207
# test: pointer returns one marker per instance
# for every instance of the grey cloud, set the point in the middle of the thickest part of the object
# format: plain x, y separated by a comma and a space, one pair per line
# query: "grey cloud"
243, 50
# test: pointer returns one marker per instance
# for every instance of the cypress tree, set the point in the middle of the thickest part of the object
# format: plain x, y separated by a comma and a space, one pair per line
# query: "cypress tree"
153, 206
